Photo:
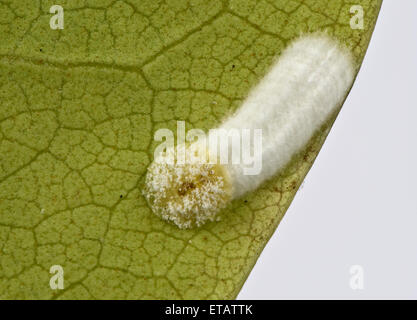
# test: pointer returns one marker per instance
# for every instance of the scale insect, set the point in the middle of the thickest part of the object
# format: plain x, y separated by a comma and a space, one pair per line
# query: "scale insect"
305, 85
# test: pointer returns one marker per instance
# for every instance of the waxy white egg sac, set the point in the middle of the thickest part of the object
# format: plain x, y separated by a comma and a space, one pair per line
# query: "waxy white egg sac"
303, 88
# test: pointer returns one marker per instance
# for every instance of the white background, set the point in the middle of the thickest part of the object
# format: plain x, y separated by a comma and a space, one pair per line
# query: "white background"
358, 205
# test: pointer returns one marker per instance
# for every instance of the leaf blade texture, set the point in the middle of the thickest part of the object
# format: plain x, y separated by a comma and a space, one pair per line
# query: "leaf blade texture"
78, 109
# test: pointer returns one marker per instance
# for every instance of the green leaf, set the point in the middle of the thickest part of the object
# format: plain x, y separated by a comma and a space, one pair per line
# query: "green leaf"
78, 109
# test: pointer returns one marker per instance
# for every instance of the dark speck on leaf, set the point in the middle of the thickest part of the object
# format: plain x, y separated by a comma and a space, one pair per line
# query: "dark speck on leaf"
121, 196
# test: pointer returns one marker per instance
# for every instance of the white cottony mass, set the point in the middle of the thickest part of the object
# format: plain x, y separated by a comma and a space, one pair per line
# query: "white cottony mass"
300, 92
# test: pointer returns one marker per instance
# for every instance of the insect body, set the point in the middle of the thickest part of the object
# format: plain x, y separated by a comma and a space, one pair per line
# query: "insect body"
307, 83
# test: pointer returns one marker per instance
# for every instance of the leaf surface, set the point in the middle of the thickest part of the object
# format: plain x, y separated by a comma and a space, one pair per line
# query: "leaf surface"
78, 109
